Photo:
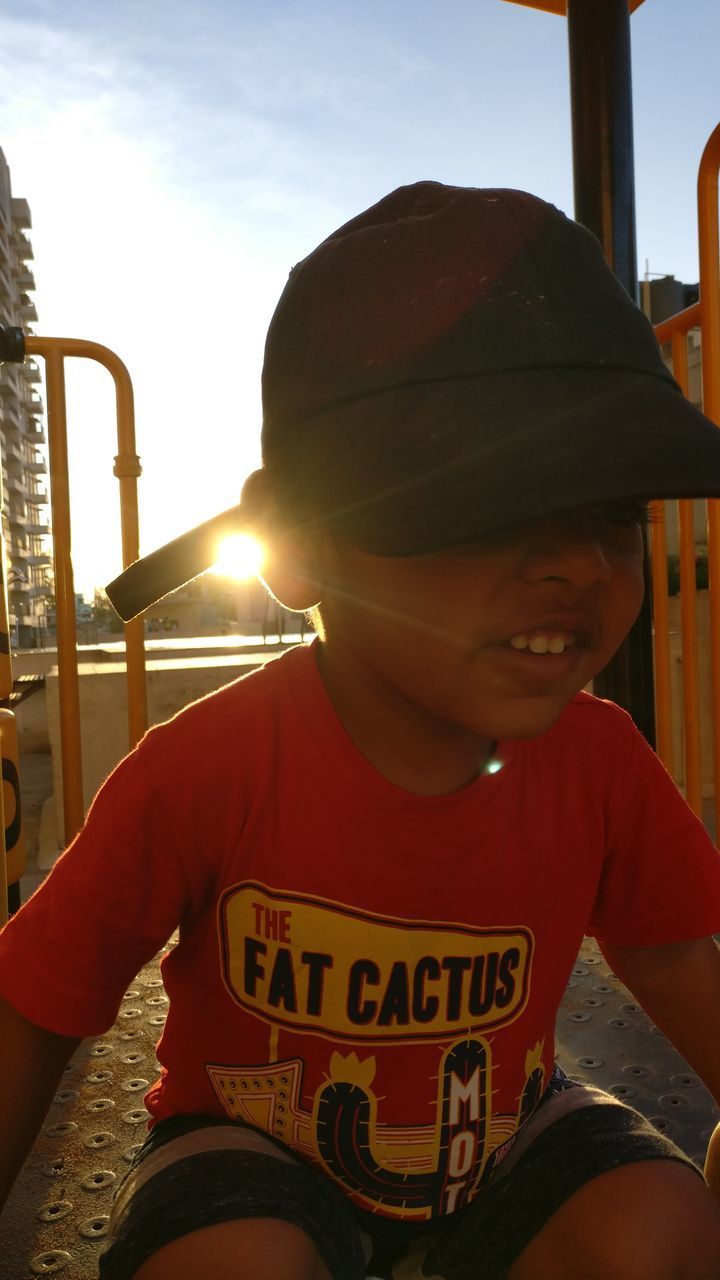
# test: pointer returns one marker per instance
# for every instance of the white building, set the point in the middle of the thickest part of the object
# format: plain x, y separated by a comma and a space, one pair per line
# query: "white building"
25, 498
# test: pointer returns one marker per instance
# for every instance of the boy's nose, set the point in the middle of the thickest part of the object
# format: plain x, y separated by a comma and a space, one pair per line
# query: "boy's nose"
568, 552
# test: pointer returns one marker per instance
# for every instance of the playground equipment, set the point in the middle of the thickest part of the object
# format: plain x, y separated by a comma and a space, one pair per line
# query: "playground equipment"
14, 346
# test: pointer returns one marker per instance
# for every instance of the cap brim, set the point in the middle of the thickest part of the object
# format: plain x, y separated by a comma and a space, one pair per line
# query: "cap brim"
448, 462
162, 571
441, 464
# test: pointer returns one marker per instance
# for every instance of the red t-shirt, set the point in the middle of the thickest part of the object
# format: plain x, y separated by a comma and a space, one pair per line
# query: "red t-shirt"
370, 976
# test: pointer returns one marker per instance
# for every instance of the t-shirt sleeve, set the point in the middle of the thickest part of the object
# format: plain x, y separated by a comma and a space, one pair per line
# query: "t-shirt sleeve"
661, 876
113, 898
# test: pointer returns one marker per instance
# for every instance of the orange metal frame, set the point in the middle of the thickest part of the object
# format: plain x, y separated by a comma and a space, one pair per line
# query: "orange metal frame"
127, 468
560, 6
705, 313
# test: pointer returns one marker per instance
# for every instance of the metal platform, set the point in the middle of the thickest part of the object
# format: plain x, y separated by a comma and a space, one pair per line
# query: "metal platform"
56, 1218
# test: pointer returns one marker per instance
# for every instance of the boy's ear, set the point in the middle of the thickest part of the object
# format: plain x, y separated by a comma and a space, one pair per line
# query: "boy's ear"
289, 576
288, 569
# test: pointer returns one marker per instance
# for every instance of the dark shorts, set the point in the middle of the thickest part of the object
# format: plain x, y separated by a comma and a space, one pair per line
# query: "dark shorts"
198, 1171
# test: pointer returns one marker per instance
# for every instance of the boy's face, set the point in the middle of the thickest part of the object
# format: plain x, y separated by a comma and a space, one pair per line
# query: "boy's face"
493, 638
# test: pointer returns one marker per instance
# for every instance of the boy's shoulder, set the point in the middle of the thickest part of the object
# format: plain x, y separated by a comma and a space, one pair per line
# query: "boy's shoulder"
588, 716
235, 713
594, 739
585, 702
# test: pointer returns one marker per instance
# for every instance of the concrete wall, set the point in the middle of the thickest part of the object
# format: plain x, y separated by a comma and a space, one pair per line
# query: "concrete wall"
171, 685
32, 722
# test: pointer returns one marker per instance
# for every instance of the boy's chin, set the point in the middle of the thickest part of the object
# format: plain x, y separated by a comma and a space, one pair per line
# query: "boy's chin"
530, 721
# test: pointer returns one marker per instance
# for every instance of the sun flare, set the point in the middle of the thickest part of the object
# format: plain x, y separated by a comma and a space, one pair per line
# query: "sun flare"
240, 557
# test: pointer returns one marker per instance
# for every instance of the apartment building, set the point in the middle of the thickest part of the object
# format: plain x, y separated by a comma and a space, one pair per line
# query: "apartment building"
25, 498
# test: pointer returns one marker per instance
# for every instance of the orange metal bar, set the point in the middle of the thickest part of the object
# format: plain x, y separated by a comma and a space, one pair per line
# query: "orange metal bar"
661, 621
127, 468
688, 615
560, 6
682, 322
710, 299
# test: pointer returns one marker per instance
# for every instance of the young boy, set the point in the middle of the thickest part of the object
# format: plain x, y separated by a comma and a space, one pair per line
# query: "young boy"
383, 849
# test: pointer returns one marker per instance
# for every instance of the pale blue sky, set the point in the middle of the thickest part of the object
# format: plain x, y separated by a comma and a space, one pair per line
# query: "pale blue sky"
179, 158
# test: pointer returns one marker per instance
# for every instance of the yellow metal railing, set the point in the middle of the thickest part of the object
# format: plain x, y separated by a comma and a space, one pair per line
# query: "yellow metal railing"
55, 351
704, 314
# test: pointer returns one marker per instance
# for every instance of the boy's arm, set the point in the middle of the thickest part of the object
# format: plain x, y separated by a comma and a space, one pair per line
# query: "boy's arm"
678, 985
30, 1069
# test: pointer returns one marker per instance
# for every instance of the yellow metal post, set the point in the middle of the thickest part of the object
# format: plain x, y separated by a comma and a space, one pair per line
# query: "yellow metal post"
663, 697
64, 596
13, 832
688, 615
710, 303
127, 468
675, 330
6, 679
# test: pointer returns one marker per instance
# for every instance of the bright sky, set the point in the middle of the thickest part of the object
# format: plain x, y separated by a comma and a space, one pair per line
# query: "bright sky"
178, 158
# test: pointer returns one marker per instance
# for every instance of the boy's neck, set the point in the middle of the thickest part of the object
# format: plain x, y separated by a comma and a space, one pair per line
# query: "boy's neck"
406, 744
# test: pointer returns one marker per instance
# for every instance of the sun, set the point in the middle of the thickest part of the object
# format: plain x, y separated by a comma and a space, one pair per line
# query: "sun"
240, 557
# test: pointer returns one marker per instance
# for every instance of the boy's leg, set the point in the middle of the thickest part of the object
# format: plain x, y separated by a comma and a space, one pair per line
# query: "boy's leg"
589, 1191
654, 1220
206, 1197
251, 1249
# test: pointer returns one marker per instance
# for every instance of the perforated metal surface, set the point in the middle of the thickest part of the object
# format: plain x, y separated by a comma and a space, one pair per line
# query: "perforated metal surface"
603, 1037
57, 1216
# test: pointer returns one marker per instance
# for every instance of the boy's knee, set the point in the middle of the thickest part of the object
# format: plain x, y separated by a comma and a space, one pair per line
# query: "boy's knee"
244, 1249
653, 1219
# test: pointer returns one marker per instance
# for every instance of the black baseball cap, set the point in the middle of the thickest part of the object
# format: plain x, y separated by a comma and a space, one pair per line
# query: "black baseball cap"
457, 360
452, 362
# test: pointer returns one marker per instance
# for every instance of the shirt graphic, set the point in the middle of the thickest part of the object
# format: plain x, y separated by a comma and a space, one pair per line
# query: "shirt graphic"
370, 983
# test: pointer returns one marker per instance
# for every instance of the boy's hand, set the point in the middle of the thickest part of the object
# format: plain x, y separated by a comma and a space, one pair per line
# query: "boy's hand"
712, 1163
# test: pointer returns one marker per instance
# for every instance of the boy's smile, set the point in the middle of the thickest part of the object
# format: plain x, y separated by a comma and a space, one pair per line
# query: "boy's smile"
429, 659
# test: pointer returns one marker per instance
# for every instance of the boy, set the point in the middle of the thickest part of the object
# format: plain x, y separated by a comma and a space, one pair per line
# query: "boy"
383, 850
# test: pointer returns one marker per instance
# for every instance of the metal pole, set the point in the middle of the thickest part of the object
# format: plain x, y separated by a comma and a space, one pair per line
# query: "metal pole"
709, 233
68, 684
601, 99
127, 469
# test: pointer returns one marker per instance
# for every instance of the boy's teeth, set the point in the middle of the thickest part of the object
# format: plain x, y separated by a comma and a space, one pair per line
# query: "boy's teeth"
542, 643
